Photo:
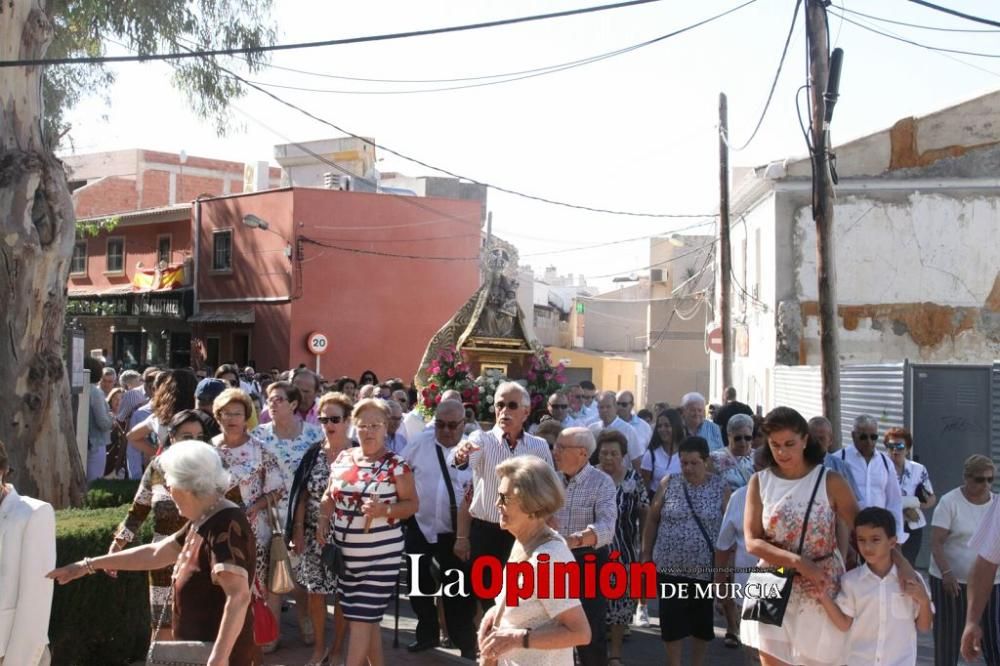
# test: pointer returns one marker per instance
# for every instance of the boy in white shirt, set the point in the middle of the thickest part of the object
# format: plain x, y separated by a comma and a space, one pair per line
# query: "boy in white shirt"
881, 621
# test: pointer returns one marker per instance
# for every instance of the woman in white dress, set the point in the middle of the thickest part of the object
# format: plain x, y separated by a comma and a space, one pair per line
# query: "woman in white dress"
776, 503
914, 486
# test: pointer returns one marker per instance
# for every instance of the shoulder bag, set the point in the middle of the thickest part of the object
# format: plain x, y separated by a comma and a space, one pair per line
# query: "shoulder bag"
279, 565
771, 610
331, 556
701, 525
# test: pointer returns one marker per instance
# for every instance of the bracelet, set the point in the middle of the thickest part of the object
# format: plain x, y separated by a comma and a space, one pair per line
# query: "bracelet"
461, 538
88, 566
524, 639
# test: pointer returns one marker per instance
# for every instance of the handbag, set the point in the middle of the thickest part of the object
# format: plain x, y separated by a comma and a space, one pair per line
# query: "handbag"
771, 610
265, 626
332, 556
279, 568
177, 653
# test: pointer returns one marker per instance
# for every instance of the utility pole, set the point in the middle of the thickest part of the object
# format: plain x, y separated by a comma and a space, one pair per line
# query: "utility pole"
822, 94
725, 256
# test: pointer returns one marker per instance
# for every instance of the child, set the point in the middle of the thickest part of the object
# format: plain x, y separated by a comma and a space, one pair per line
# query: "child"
882, 621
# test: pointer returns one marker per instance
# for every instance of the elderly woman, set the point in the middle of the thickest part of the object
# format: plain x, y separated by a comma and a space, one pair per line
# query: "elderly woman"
257, 476
734, 462
914, 486
541, 629
114, 466
680, 535
308, 485
632, 502
213, 557
371, 492
661, 458
549, 430
958, 515
153, 496
27, 551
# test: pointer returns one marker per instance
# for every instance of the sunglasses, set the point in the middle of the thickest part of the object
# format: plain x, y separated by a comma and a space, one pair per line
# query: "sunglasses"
895, 446
512, 405
742, 438
559, 406
982, 479
867, 437
448, 425
330, 419
624, 404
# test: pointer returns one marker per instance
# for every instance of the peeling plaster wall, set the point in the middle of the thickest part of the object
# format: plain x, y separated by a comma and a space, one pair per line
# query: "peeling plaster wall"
918, 276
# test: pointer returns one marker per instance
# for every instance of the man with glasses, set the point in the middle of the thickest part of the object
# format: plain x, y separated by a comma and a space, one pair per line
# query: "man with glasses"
874, 474
607, 412
625, 404
587, 522
589, 394
821, 430
559, 409
395, 437
481, 454
574, 401
432, 530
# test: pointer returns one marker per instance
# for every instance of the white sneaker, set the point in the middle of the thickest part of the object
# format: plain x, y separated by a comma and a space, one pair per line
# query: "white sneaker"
641, 617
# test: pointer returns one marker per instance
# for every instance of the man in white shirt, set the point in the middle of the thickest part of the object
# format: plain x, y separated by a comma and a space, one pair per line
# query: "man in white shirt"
395, 437
626, 403
431, 532
589, 409
608, 418
874, 474
559, 409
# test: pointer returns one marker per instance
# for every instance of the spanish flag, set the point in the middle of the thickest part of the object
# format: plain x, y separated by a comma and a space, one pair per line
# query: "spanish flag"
155, 279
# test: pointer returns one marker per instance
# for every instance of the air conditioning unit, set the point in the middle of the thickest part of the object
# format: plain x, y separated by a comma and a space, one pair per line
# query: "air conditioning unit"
337, 181
656, 275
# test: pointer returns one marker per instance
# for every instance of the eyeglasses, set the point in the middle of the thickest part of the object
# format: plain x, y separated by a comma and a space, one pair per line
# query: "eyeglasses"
741, 438
896, 446
502, 499
623, 405
559, 406
866, 436
330, 419
563, 447
511, 405
982, 479
448, 425
364, 427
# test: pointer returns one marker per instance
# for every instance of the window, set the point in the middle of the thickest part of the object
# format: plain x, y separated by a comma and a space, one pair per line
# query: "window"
78, 265
163, 249
222, 250
116, 255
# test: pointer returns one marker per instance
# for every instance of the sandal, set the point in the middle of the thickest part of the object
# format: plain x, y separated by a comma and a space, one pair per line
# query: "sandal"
732, 641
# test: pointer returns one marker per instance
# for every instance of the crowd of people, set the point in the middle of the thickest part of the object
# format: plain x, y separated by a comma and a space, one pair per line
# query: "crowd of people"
352, 479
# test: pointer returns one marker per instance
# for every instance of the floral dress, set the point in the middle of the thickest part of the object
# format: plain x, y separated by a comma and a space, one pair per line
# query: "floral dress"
288, 453
372, 551
631, 498
681, 549
806, 636
736, 470
310, 572
255, 472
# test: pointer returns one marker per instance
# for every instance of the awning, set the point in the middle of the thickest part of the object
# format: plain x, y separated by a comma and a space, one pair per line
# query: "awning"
224, 317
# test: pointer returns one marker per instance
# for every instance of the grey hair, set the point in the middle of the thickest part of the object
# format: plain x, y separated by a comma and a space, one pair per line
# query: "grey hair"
513, 386
195, 467
692, 397
818, 421
130, 379
582, 437
109, 372
865, 420
738, 421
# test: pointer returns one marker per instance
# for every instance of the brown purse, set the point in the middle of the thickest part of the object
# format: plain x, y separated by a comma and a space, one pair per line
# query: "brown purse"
279, 568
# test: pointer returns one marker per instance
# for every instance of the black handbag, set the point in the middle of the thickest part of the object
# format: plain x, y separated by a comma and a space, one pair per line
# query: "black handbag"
769, 609
332, 556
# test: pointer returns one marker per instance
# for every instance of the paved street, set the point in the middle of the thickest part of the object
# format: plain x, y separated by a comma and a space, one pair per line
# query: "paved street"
643, 647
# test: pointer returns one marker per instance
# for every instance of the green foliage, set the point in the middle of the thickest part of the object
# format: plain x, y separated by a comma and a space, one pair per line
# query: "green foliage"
89, 27
94, 229
106, 493
97, 620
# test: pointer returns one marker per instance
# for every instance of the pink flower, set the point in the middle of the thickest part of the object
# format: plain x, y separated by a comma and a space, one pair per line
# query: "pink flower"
531, 375
451, 372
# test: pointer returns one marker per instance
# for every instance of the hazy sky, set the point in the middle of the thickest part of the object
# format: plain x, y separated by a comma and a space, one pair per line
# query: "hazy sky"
634, 132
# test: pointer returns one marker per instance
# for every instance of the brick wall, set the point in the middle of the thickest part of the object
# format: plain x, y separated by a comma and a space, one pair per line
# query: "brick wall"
108, 195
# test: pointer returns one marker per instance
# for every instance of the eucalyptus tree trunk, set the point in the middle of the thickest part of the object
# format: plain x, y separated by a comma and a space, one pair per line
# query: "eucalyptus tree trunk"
37, 230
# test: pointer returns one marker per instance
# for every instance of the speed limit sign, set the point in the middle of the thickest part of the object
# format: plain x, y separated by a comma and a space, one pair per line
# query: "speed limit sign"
317, 343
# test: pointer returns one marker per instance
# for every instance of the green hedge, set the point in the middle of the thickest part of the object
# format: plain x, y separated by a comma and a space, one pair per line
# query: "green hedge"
105, 493
97, 620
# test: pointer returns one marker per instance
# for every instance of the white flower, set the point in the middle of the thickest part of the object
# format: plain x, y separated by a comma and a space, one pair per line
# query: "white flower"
492, 409
489, 400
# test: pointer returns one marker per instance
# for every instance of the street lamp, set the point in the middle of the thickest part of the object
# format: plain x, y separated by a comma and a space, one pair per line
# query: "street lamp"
254, 222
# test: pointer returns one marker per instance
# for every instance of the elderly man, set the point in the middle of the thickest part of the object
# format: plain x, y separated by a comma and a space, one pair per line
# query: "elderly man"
109, 378
559, 409
482, 453
399, 395
608, 418
625, 404
395, 437
587, 522
133, 399
874, 474
693, 412
589, 409
821, 430
431, 532
574, 399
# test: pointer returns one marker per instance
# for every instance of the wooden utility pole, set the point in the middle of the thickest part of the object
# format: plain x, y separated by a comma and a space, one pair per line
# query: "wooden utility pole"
822, 206
725, 256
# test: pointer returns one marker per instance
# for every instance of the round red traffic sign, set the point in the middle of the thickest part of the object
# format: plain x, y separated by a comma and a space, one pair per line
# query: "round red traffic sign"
715, 340
317, 343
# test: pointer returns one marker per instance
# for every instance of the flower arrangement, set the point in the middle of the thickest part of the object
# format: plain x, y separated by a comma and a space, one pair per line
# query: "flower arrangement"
447, 371
544, 379
487, 384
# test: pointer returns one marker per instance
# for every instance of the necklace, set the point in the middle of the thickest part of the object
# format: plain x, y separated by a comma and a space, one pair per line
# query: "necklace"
207, 513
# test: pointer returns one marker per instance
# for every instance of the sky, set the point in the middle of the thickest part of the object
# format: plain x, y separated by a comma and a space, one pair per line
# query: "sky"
637, 132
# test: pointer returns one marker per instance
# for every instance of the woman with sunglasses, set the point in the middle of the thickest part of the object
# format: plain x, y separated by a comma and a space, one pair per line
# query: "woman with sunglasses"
956, 519
310, 481
153, 497
914, 486
734, 462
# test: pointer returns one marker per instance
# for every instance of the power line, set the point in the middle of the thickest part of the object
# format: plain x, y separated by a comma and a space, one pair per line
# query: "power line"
913, 25
206, 53
518, 76
377, 253
675, 257
955, 12
774, 84
940, 49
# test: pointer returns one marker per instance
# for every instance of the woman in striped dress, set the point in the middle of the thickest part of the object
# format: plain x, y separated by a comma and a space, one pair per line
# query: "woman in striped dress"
371, 492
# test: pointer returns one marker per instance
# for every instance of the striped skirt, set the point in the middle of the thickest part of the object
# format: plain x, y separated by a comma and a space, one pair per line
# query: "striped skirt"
373, 561
949, 621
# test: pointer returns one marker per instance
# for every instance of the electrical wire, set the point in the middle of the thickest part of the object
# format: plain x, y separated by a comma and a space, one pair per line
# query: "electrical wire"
207, 53
529, 74
774, 85
377, 253
914, 43
675, 257
955, 12
914, 25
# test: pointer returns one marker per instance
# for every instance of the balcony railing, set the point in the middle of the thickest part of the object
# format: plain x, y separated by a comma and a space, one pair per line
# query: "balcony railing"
169, 305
